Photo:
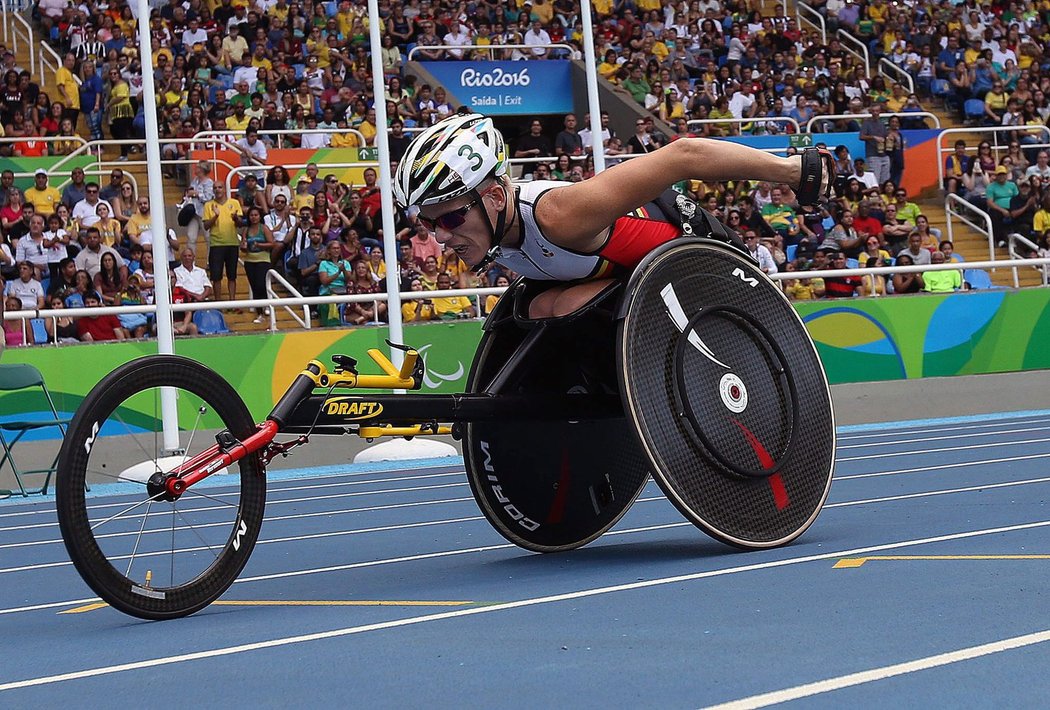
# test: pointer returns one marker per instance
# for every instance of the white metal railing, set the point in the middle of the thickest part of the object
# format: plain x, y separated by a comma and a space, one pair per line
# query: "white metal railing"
951, 202
271, 276
861, 116
943, 150
787, 120
281, 132
804, 12
894, 73
477, 292
1013, 240
4, 20
150, 309
22, 30
487, 47
851, 44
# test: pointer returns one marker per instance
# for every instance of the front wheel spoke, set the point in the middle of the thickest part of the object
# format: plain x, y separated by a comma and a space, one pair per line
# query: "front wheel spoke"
195, 532
138, 443
127, 510
138, 538
196, 492
114, 476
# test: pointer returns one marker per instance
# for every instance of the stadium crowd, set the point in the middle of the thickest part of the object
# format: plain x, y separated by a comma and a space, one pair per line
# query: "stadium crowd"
250, 69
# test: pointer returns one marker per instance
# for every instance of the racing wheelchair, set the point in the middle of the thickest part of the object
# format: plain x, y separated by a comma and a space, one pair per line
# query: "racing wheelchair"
695, 370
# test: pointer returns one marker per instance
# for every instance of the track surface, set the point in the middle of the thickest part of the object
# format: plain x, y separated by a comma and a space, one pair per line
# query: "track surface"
923, 582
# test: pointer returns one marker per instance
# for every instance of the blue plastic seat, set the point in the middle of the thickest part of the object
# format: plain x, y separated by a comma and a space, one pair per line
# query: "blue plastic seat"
977, 279
974, 109
210, 323
790, 252
39, 331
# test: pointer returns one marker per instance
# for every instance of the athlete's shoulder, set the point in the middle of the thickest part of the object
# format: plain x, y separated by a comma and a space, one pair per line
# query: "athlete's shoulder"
530, 191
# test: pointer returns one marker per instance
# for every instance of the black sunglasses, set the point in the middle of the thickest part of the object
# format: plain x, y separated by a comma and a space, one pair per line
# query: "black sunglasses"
449, 220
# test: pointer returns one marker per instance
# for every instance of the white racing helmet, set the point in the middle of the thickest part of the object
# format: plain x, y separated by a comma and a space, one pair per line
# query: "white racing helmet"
449, 159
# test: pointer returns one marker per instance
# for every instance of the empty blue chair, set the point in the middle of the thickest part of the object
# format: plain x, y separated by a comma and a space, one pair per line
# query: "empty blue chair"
790, 252
977, 279
974, 110
39, 331
852, 264
210, 323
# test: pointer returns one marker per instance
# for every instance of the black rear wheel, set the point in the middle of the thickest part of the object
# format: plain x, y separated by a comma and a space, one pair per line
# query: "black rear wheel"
143, 554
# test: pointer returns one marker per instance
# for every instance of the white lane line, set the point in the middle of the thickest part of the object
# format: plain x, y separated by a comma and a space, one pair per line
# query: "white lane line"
506, 546
940, 467
896, 442
876, 674
269, 504
906, 430
50, 605
218, 492
520, 604
342, 533
947, 491
926, 452
226, 523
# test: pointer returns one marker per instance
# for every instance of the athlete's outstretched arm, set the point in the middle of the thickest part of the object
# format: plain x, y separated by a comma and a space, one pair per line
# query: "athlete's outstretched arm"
576, 216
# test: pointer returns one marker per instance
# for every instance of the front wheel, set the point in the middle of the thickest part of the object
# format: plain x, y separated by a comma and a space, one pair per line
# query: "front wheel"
142, 553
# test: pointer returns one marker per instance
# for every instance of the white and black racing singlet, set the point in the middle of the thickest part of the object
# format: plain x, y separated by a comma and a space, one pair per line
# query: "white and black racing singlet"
631, 237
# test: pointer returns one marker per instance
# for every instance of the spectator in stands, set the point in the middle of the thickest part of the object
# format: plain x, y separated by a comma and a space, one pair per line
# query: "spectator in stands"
192, 279
309, 261
417, 309
1023, 207
534, 144
451, 307
1041, 167
93, 329
120, 110
110, 192
760, 253
42, 196
360, 282
841, 286
256, 244
32, 249
26, 288
915, 251
955, 166
89, 259
74, 191
860, 171
781, 218
85, 211
14, 330
843, 237
568, 141
1000, 195
873, 132
536, 37
941, 281
221, 217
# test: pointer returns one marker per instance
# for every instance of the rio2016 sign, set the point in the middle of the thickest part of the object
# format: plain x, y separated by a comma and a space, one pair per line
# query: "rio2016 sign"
507, 88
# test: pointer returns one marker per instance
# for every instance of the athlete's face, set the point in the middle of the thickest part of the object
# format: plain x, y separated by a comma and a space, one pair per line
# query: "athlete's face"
460, 224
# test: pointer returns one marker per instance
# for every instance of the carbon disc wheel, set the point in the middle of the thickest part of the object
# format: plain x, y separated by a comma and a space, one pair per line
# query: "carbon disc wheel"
727, 395
144, 554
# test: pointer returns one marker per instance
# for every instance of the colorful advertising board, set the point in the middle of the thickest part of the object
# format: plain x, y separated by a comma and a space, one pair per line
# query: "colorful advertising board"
859, 340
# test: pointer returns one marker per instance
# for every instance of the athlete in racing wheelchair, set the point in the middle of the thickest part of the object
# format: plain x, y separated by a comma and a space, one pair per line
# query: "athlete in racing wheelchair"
643, 340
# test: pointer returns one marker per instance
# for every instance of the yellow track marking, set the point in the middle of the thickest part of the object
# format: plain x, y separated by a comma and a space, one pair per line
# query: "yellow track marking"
854, 562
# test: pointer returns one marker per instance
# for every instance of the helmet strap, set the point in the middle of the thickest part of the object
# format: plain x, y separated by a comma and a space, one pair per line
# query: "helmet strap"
495, 232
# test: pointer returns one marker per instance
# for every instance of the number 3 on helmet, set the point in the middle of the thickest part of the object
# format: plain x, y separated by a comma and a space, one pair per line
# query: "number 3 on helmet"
449, 159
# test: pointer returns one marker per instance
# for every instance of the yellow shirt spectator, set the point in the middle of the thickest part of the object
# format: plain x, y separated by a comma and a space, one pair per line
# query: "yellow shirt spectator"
301, 201
345, 140
45, 200
603, 7
660, 51
1041, 221
224, 230
64, 79
235, 124
452, 307
410, 314
647, 5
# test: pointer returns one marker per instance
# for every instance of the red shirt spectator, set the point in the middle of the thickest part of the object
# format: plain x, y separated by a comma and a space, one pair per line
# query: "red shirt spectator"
98, 328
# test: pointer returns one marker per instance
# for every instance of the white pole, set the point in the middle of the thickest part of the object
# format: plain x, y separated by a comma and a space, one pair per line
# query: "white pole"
165, 335
592, 87
390, 250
